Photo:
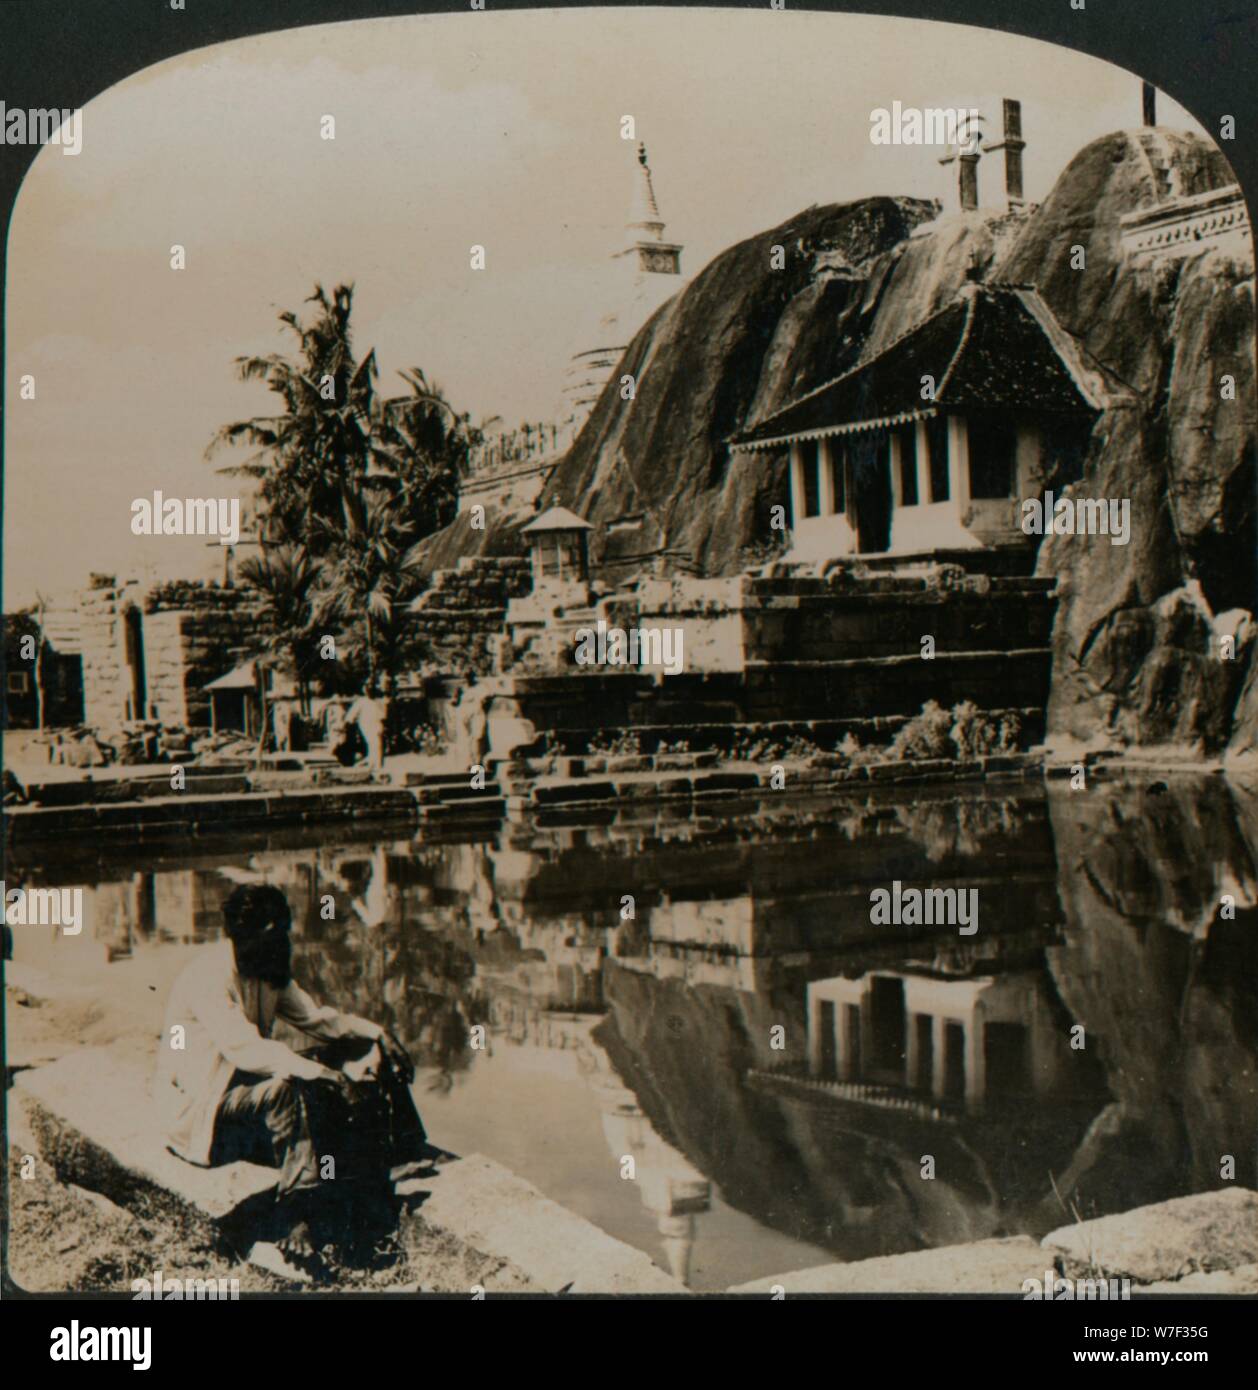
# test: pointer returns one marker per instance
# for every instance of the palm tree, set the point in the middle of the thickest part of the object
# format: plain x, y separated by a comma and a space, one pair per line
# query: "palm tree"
423, 442
322, 440
285, 577
369, 573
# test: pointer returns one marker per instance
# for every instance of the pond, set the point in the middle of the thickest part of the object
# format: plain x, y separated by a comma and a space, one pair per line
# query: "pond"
688, 1029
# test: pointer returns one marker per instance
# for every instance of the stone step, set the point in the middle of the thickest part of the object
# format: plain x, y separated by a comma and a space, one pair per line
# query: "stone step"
490, 810
449, 793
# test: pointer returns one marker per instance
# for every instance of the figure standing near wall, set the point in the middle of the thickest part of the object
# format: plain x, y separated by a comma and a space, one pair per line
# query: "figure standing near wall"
369, 712
473, 721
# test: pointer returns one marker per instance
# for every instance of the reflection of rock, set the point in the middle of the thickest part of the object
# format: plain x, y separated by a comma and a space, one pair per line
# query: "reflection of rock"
1164, 990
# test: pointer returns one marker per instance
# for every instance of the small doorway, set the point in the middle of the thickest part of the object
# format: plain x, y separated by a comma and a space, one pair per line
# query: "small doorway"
829, 1041
871, 488
954, 1061
133, 636
888, 1029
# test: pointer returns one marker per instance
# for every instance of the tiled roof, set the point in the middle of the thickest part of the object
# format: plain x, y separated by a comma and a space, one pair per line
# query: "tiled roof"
244, 677
557, 519
992, 346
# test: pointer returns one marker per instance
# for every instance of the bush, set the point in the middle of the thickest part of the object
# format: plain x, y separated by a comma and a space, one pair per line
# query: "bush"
624, 744
973, 732
926, 735
849, 748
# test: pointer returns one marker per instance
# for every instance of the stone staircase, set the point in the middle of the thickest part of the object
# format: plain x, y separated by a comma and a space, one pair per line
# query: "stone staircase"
450, 796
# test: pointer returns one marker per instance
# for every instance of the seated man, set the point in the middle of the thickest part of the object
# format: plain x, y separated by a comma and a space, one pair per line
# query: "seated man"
227, 1090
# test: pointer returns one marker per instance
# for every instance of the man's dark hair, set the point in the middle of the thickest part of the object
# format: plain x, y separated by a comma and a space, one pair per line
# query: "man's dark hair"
252, 907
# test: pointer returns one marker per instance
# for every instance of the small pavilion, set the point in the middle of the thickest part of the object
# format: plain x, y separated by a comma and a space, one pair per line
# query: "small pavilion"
559, 546
933, 443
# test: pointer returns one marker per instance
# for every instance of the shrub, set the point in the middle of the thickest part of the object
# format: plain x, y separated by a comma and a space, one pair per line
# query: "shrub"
973, 732
625, 743
926, 735
1009, 739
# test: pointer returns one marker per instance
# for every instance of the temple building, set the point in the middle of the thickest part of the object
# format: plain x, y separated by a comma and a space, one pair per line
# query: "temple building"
1180, 223
932, 444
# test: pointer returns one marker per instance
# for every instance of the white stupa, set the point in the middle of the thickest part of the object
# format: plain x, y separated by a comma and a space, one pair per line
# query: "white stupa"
646, 272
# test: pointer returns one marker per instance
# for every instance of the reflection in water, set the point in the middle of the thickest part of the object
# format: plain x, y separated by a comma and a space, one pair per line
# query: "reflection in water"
774, 1066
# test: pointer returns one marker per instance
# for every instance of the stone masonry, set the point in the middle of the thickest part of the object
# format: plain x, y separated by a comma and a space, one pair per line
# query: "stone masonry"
187, 634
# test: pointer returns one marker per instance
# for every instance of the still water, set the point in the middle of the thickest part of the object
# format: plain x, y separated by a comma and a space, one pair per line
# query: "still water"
707, 997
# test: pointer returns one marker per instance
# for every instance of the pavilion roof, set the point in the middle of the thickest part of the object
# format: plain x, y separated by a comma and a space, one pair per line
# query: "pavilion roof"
557, 519
994, 346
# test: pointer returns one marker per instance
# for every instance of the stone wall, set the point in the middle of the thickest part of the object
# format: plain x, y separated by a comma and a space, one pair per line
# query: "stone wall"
462, 614
105, 678
204, 631
191, 633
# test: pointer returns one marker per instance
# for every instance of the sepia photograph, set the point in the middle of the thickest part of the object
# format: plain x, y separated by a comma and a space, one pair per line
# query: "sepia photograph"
630, 668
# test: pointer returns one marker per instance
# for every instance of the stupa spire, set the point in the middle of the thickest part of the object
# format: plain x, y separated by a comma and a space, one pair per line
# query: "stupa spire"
644, 211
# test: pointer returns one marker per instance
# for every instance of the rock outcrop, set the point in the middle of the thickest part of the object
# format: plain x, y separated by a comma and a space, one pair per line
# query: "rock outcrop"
1136, 649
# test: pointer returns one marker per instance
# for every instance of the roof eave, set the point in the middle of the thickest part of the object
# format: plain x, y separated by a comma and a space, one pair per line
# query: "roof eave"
878, 422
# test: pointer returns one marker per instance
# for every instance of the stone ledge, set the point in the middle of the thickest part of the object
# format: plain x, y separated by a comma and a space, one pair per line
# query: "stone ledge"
93, 1118
491, 1209
1241, 1280
1208, 1231
987, 1266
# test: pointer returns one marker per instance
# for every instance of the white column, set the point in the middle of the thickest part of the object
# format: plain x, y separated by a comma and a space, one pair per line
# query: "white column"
910, 1046
923, 464
797, 484
958, 462
975, 1060
893, 462
825, 478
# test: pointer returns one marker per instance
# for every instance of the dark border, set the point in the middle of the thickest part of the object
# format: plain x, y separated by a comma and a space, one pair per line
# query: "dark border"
65, 52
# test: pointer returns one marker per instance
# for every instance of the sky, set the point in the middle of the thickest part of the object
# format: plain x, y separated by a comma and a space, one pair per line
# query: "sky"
502, 130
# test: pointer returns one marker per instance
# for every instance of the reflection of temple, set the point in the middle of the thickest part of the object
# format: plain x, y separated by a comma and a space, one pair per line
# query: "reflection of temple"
962, 1042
